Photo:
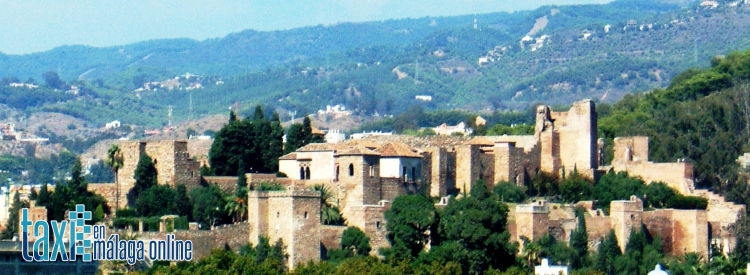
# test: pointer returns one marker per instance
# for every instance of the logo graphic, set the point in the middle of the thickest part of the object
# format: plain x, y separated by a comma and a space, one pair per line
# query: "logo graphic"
92, 243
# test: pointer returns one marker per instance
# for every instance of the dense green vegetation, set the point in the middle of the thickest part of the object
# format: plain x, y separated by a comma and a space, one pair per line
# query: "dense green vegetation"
247, 145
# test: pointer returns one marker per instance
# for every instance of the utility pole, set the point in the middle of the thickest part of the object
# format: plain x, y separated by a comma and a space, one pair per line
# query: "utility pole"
169, 115
292, 114
190, 107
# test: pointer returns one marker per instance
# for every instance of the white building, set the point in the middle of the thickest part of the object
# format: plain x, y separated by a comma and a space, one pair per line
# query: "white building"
335, 136
445, 130
546, 269
369, 134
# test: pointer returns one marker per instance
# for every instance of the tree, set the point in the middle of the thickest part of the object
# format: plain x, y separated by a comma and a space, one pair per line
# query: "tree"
579, 241
114, 162
329, 214
155, 201
509, 192
232, 117
77, 182
53, 81
478, 224
44, 196
295, 138
145, 175
183, 204
408, 221
575, 188
99, 213
33, 194
208, 205
609, 250
355, 241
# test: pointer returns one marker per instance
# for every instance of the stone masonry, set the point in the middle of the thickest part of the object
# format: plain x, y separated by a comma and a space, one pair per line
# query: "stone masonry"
292, 216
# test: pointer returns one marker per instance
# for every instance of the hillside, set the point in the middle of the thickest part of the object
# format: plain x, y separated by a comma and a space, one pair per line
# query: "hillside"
555, 54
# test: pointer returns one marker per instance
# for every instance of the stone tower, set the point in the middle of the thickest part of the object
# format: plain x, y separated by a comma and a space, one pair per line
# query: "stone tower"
358, 179
532, 220
568, 139
292, 216
171, 159
626, 216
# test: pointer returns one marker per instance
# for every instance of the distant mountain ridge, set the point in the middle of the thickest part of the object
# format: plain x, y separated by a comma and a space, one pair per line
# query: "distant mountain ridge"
379, 68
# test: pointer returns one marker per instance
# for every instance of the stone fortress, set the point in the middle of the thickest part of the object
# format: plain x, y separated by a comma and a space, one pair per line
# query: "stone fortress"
365, 175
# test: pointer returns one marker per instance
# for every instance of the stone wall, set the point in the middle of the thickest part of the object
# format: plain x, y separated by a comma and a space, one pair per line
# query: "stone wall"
659, 223
203, 240
371, 219
330, 238
226, 184
597, 227
106, 190
504, 157
468, 166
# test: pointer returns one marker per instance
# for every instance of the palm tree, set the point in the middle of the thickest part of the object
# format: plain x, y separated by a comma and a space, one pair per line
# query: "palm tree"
114, 162
236, 207
329, 214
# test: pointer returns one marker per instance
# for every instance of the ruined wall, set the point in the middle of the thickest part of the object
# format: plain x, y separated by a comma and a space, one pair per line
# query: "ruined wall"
597, 227
203, 240
371, 219
690, 232
659, 223
173, 163
629, 149
626, 216
631, 155
487, 167
467, 166
225, 183
330, 238
504, 158
677, 175
106, 190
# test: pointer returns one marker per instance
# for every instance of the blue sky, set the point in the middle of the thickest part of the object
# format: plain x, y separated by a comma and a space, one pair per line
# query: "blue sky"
39, 25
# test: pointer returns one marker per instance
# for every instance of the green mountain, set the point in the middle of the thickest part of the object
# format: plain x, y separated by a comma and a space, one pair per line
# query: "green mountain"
554, 54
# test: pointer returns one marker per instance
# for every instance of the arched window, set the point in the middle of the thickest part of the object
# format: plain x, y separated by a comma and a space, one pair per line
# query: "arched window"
302, 173
337, 174
351, 170
307, 173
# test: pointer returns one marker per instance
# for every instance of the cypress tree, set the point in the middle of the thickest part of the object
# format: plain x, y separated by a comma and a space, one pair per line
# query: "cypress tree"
145, 175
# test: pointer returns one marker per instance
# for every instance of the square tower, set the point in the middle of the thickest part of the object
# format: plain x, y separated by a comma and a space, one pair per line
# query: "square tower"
532, 220
626, 216
292, 216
